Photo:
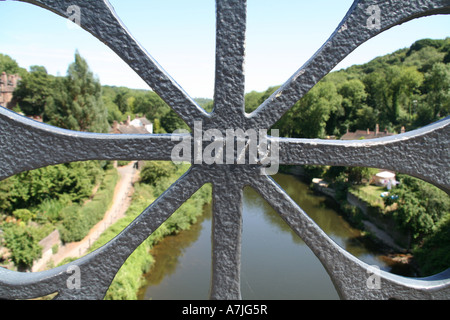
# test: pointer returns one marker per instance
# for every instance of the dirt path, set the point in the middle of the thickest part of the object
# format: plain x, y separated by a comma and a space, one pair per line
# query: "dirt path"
121, 201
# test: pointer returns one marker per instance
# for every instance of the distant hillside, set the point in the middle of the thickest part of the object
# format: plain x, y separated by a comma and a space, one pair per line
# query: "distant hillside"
408, 88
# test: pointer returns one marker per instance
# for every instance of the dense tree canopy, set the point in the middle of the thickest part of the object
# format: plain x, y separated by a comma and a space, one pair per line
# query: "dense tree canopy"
10, 66
33, 91
408, 88
77, 103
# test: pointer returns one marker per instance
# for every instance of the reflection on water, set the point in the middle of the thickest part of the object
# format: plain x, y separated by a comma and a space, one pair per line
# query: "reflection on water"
276, 263
182, 264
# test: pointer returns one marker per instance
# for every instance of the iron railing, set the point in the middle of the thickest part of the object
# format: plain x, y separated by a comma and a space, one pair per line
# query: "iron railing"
423, 153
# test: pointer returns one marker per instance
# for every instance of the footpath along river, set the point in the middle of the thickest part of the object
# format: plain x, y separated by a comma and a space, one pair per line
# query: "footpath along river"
276, 263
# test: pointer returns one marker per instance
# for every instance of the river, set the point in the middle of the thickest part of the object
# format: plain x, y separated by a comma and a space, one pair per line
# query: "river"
276, 263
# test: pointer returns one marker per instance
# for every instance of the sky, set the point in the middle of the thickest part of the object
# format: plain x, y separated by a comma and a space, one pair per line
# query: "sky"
281, 36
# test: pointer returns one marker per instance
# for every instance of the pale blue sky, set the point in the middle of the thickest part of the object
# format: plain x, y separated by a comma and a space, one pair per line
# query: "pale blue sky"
281, 36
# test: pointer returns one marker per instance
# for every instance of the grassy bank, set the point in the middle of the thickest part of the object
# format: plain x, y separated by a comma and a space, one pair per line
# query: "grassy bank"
78, 219
56, 206
129, 278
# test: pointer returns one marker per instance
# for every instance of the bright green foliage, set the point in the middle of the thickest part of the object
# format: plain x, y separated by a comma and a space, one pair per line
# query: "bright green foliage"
33, 91
437, 86
22, 241
409, 88
24, 215
78, 219
76, 102
433, 255
421, 206
171, 122
252, 101
10, 66
30, 189
150, 105
52, 197
155, 170
308, 117
50, 210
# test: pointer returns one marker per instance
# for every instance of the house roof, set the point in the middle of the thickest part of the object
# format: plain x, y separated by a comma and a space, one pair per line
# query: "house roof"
386, 175
366, 134
137, 126
124, 129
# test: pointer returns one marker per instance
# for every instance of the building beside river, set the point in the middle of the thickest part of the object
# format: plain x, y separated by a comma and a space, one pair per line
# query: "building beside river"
139, 125
8, 83
367, 134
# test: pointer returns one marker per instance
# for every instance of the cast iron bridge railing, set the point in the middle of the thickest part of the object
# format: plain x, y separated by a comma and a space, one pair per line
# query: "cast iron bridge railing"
27, 145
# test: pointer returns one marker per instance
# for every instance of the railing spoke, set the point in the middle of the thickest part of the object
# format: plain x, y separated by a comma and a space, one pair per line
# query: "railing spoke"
26, 144
114, 34
230, 53
226, 234
364, 20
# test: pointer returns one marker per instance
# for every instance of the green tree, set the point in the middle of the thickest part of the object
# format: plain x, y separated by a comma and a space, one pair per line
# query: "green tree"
10, 66
154, 170
171, 122
391, 91
76, 103
360, 175
376, 88
30, 189
253, 101
437, 88
433, 256
424, 59
33, 90
421, 206
308, 117
113, 110
366, 117
21, 240
353, 95
150, 105
121, 100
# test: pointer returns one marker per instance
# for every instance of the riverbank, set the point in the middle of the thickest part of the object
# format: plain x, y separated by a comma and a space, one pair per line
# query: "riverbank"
379, 230
275, 262
55, 252
129, 279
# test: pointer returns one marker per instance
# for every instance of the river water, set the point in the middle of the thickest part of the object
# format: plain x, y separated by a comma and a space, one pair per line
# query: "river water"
276, 263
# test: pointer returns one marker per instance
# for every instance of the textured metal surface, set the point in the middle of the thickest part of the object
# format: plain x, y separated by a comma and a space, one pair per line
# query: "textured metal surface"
26, 145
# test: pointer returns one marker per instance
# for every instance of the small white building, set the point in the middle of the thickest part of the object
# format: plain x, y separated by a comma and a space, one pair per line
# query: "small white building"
136, 126
142, 122
385, 178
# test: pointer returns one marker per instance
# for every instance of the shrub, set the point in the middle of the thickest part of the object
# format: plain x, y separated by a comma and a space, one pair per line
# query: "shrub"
433, 256
77, 220
22, 241
24, 215
154, 170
